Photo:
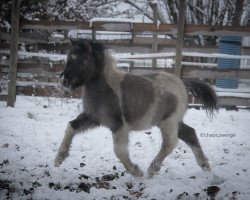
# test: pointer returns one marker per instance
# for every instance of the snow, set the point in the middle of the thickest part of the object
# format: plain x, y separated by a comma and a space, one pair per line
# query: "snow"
215, 55
51, 57
146, 56
6, 25
113, 20
189, 54
231, 94
242, 91
32, 132
57, 35
34, 84
154, 2
109, 20
212, 65
123, 65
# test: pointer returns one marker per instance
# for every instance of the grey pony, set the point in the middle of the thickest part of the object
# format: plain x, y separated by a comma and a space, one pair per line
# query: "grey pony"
124, 102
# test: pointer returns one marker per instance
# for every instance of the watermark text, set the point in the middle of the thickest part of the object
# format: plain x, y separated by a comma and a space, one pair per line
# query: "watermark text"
218, 135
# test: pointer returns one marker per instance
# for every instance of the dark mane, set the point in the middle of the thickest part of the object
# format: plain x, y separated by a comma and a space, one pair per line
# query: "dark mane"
98, 51
96, 48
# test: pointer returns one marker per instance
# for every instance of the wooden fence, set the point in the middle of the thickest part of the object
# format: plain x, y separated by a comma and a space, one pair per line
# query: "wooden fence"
33, 73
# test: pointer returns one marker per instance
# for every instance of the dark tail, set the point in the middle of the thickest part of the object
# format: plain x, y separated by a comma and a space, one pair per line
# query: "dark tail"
203, 93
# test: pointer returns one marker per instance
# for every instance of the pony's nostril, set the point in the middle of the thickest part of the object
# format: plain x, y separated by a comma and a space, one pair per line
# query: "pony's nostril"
63, 79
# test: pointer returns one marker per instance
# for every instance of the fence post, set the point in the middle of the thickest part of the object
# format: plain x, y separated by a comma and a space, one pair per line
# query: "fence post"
180, 36
155, 41
132, 63
11, 98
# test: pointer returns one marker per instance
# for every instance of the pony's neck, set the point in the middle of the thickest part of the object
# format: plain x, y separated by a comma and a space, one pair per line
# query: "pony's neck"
112, 75
110, 64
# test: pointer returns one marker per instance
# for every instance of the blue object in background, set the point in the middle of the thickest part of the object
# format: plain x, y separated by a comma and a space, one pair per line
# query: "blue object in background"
229, 45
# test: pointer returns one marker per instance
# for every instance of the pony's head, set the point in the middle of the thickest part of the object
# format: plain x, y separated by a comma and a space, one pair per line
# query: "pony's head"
84, 64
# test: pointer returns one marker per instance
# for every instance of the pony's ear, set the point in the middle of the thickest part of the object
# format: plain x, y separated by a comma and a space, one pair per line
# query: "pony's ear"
84, 44
73, 41
87, 45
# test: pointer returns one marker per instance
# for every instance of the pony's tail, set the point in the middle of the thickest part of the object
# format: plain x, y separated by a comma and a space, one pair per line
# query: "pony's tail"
203, 93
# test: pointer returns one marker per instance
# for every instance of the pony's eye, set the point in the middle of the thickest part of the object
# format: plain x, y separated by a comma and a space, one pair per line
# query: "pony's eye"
73, 56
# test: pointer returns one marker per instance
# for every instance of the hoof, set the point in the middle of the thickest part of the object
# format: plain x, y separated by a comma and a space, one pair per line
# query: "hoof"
137, 172
60, 157
152, 172
206, 167
57, 162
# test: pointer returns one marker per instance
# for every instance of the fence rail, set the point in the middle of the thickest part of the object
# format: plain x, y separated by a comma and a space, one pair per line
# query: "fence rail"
135, 27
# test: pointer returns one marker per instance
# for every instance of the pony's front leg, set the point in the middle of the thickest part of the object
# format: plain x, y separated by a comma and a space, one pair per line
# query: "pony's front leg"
81, 123
120, 139
63, 151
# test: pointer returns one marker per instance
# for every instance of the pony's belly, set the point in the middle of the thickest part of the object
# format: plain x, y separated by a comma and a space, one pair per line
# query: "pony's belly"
141, 125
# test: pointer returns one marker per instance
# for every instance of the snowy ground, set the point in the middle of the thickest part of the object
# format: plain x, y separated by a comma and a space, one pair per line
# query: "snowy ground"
32, 131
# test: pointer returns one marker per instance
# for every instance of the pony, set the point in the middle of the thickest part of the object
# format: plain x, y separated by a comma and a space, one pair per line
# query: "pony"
124, 102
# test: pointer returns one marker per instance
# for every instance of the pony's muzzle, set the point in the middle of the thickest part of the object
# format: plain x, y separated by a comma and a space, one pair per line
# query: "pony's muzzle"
63, 80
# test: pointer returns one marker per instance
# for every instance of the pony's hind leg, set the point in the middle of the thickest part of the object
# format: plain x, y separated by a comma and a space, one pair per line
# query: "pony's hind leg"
81, 123
188, 135
169, 140
121, 139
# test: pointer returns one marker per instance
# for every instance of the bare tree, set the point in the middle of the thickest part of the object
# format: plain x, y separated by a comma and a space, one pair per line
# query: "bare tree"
202, 12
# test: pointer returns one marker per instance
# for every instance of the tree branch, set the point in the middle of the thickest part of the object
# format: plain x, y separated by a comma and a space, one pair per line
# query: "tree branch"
197, 8
132, 3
